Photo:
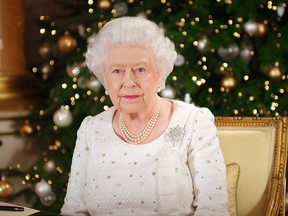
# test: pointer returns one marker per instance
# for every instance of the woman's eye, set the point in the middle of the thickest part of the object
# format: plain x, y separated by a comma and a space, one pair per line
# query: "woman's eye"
140, 70
116, 71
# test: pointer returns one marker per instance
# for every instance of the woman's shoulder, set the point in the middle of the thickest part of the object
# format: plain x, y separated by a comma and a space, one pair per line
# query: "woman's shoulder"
104, 116
192, 109
181, 106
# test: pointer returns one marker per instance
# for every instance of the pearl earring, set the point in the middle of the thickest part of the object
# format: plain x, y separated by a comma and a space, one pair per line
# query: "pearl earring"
158, 89
106, 92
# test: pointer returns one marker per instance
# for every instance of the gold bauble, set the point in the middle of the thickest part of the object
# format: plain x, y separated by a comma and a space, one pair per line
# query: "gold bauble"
274, 73
26, 129
262, 30
6, 189
66, 43
228, 82
104, 4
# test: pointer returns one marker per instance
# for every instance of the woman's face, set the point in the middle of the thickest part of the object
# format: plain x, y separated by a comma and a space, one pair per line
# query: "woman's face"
131, 78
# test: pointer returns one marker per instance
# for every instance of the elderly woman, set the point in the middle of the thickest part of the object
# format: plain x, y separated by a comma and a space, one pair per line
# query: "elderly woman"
146, 155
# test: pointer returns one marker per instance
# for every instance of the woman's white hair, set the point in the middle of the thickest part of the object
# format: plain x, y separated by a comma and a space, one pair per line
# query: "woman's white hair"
131, 31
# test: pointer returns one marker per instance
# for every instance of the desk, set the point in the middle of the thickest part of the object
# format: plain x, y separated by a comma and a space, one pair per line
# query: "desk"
26, 212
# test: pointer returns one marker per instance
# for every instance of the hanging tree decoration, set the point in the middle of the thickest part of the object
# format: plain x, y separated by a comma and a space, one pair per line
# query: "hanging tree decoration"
46, 70
94, 84
246, 51
73, 70
262, 30
280, 10
274, 73
44, 191
180, 60
6, 188
42, 187
202, 44
48, 199
228, 53
45, 50
49, 166
26, 129
66, 43
251, 27
121, 8
229, 82
103, 4
63, 117
168, 92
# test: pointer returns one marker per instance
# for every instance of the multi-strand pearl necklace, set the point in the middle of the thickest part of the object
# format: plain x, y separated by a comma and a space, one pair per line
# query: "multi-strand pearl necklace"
139, 138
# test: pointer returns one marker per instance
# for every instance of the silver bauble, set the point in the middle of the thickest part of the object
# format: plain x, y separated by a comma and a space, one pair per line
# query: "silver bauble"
121, 8
48, 199
202, 45
228, 53
46, 71
280, 10
62, 117
94, 84
180, 60
82, 82
49, 166
251, 27
42, 188
73, 70
246, 52
168, 92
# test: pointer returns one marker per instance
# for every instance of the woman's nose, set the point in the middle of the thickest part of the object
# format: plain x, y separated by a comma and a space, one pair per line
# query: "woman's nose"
128, 78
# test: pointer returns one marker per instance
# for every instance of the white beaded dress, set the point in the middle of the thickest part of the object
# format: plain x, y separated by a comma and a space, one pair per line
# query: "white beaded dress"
182, 172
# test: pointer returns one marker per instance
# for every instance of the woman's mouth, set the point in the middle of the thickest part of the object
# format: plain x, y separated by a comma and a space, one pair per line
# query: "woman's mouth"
130, 97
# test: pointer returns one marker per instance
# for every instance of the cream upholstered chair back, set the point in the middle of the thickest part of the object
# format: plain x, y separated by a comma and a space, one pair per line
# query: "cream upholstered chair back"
259, 146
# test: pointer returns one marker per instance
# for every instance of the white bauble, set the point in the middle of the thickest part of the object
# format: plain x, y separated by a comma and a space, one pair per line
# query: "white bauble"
42, 188
180, 60
62, 117
168, 92
280, 10
251, 27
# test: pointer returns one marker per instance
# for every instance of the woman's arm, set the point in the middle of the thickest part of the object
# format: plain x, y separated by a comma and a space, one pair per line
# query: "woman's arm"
208, 168
74, 200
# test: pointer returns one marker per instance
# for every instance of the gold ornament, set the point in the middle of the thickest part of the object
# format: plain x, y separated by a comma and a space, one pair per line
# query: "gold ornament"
262, 30
104, 4
44, 50
26, 129
274, 73
139, 138
229, 82
6, 189
66, 43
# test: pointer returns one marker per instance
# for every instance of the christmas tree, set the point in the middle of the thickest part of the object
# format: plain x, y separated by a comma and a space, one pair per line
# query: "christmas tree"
231, 59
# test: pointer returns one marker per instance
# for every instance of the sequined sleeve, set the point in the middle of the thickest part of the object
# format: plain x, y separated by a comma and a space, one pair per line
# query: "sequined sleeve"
74, 202
207, 167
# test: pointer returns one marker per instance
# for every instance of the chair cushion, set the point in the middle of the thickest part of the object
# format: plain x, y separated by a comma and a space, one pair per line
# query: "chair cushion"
232, 172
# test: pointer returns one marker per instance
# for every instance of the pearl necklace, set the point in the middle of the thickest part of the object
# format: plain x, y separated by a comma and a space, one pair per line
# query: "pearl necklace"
139, 138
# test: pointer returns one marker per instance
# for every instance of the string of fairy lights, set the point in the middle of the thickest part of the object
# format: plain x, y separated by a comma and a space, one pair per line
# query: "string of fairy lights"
200, 58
